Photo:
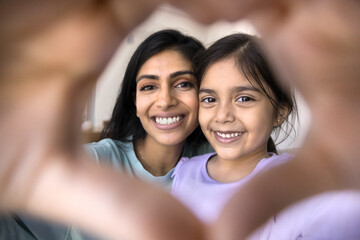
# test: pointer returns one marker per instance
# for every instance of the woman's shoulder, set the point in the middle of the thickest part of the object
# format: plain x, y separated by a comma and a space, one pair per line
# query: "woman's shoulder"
108, 143
109, 149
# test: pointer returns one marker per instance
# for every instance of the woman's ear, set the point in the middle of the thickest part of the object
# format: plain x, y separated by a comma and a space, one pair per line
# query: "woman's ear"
134, 101
281, 115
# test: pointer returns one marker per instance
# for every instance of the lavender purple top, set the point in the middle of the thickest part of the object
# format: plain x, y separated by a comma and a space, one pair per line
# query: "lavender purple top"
331, 215
204, 196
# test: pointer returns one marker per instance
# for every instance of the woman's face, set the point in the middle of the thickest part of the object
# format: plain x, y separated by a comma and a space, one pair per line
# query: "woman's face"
167, 98
236, 117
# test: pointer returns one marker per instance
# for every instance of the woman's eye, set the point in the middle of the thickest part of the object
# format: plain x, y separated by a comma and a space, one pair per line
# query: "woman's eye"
147, 88
244, 99
208, 100
185, 85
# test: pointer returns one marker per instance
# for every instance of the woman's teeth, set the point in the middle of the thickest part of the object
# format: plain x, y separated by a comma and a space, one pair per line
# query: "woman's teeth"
167, 121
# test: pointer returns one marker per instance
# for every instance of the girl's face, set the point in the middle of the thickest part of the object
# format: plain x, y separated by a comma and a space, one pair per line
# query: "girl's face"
236, 117
167, 98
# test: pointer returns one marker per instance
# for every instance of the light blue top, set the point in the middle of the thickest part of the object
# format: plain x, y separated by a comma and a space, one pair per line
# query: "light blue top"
121, 156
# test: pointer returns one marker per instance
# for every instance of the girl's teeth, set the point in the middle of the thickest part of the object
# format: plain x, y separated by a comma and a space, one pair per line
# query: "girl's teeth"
227, 135
167, 121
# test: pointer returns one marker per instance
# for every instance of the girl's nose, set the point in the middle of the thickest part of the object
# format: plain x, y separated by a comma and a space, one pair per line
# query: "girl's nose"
224, 114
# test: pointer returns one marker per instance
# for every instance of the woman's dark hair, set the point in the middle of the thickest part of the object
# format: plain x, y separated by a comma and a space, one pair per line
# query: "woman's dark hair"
251, 62
124, 125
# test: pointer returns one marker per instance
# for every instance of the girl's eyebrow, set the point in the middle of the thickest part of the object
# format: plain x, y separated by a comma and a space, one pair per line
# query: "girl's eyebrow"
235, 89
172, 75
206, 90
245, 88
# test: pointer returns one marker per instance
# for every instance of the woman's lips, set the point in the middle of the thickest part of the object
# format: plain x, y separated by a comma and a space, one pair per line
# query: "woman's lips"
166, 123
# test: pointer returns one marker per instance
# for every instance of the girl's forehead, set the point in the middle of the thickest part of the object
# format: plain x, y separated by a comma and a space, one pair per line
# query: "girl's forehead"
223, 73
226, 73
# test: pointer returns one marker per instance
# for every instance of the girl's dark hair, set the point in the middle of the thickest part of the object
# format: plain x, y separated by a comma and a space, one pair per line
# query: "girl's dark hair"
251, 61
124, 125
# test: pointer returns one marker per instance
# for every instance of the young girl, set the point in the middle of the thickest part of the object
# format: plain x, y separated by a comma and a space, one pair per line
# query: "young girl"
241, 105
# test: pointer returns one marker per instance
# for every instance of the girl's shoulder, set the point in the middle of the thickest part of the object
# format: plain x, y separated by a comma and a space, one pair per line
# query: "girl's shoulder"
189, 165
196, 160
283, 157
273, 160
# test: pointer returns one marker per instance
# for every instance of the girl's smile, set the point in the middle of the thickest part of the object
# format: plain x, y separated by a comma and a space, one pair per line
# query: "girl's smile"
227, 136
236, 116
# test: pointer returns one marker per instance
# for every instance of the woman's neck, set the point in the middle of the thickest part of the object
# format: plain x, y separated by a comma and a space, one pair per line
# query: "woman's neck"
156, 158
232, 170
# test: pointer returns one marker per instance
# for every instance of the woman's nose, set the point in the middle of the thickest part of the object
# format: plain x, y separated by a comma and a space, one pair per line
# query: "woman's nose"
166, 98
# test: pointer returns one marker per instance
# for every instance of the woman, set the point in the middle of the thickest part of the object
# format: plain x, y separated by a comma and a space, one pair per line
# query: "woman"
154, 121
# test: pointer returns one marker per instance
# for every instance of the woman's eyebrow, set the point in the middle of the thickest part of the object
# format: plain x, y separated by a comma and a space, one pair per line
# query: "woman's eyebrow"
179, 73
172, 75
147, 76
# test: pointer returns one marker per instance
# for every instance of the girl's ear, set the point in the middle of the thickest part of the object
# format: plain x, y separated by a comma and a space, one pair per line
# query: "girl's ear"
281, 115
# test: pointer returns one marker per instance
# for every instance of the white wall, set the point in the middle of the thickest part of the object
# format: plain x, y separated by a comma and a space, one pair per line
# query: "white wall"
167, 17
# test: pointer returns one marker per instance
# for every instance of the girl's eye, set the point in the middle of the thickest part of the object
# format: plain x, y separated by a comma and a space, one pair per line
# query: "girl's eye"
147, 88
208, 100
185, 85
244, 99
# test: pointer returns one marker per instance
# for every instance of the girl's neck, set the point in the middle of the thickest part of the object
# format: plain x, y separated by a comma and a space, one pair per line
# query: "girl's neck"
232, 170
156, 158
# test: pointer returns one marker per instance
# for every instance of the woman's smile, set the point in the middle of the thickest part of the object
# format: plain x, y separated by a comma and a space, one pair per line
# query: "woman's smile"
167, 98
168, 123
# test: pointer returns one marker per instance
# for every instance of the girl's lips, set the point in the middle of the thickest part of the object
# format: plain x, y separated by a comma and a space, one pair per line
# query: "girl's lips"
227, 137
